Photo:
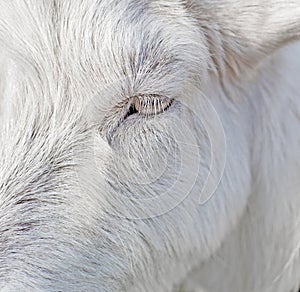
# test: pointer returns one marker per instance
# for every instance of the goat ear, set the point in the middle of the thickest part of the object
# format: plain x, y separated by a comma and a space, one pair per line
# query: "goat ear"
244, 32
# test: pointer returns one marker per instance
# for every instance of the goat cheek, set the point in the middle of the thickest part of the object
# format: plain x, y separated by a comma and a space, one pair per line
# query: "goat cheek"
148, 159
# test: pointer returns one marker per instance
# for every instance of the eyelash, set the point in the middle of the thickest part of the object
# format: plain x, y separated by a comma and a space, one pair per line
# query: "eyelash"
149, 105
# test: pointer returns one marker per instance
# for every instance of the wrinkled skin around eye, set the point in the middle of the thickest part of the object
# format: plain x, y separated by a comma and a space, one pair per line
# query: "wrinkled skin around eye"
151, 156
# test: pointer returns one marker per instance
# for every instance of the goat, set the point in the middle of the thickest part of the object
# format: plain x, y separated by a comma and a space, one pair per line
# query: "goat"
149, 145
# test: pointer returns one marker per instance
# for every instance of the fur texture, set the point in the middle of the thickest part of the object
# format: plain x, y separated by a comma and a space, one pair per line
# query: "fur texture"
149, 145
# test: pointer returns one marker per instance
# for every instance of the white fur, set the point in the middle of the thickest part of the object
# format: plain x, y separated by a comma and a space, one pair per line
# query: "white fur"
92, 203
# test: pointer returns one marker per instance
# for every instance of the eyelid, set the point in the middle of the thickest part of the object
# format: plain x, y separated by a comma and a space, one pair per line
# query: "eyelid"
151, 104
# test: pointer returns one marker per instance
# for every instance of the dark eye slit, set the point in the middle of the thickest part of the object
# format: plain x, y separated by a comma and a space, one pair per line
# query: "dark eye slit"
131, 111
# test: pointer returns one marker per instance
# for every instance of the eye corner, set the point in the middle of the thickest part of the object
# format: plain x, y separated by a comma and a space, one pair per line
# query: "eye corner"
131, 111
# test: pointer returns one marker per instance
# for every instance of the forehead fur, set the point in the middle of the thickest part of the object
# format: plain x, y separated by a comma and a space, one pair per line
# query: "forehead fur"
137, 47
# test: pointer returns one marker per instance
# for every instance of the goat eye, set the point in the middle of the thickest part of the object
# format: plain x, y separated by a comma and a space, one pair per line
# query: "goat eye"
149, 105
139, 105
